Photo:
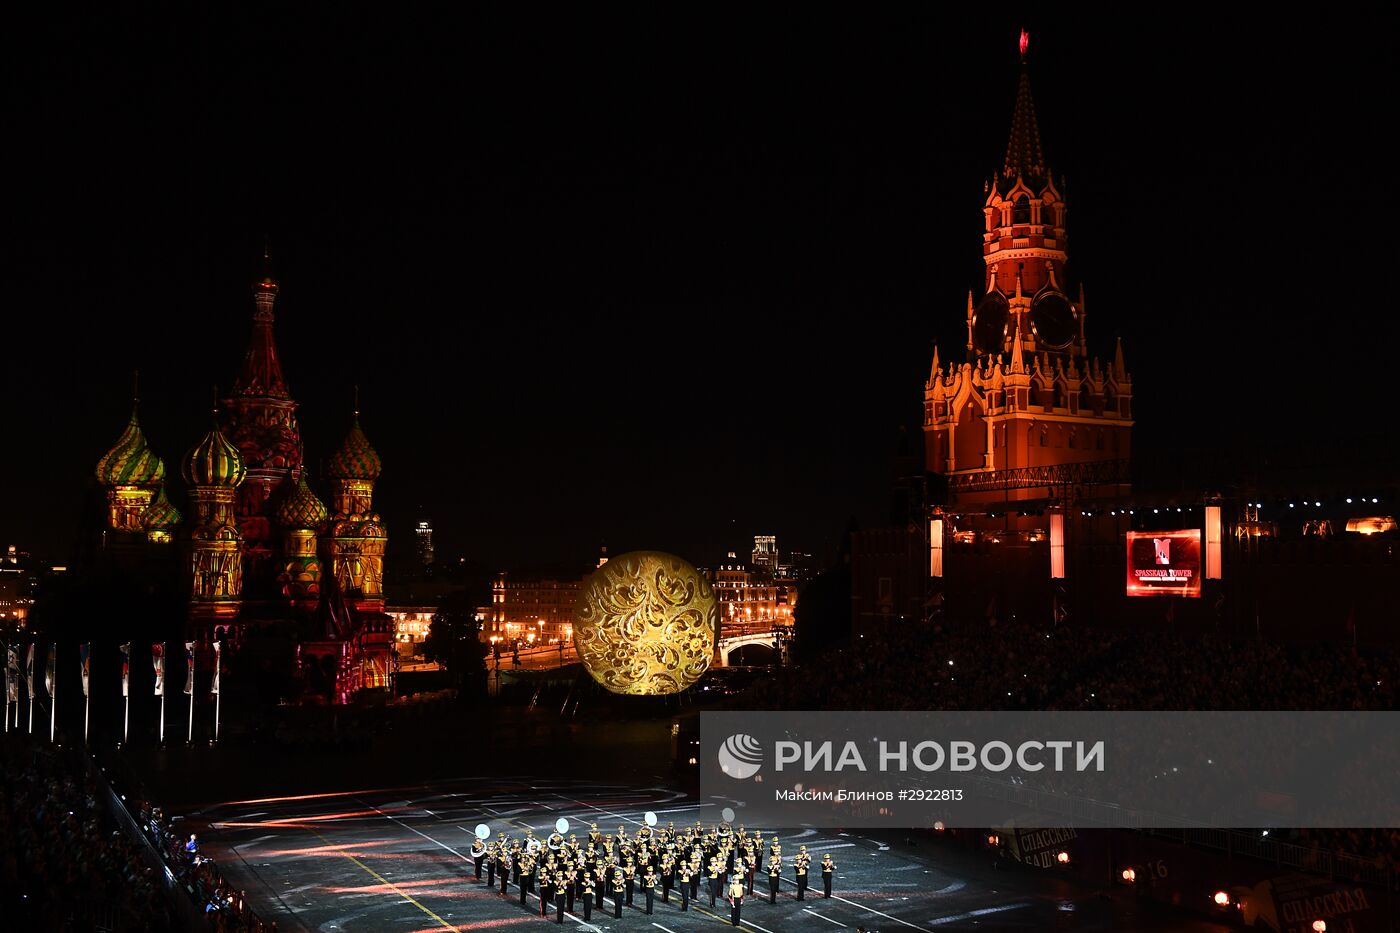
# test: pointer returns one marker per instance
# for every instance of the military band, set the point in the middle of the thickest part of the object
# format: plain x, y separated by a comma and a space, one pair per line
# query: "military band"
568, 873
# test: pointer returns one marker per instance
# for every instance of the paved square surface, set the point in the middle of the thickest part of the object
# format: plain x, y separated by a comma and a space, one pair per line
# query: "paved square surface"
396, 860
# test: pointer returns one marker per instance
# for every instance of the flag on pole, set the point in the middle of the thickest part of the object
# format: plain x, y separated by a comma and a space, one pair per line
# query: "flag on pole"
158, 662
11, 674
189, 668
51, 669
29, 672
84, 653
126, 669
214, 685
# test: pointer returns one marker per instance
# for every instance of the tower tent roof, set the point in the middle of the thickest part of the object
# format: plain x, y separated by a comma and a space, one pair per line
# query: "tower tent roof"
1024, 155
261, 373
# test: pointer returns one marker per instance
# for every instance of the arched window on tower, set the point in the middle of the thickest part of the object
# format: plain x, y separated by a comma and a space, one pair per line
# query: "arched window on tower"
1110, 400
1047, 216
1021, 212
1086, 400
1059, 395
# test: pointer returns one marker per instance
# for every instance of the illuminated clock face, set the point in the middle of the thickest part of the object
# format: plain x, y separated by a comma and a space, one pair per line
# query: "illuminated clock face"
1052, 317
989, 323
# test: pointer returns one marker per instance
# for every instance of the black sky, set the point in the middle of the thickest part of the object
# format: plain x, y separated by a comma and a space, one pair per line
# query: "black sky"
668, 283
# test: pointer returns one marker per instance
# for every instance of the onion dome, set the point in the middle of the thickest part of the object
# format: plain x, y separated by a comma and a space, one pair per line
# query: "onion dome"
355, 458
130, 462
214, 462
160, 515
300, 508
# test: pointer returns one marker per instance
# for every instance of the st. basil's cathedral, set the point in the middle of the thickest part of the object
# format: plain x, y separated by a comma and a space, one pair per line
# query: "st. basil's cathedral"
260, 551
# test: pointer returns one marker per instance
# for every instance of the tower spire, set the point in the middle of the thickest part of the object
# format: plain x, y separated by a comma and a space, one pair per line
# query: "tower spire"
1024, 156
261, 375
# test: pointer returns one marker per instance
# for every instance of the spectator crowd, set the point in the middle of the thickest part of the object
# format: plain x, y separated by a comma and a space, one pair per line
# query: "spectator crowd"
1025, 667
64, 863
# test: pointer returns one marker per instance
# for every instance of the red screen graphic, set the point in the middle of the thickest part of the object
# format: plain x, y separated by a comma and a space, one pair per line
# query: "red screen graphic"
1164, 563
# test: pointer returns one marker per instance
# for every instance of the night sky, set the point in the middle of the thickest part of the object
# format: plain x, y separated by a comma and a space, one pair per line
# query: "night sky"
669, 283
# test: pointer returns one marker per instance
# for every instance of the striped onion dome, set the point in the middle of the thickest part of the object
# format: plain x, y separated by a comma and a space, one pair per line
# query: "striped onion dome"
160, 515
214, 462
355, 458
300, 508
130, 462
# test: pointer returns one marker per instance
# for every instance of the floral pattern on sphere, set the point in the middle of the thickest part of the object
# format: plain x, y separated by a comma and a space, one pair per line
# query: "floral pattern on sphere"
647, 624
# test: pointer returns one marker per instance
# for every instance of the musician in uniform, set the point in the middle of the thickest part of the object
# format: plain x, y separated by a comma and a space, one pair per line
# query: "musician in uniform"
649, 886
799, 868
685, 884
736, 897
478, 853
491, 856
559, 897
618, 887
587, 896
629, 871
668, 877
775, 875
828, 868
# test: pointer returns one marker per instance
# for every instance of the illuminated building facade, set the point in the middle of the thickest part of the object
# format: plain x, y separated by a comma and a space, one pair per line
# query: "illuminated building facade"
765, 554
750, 596
261, 550
411, 625
532, 609
1030, 409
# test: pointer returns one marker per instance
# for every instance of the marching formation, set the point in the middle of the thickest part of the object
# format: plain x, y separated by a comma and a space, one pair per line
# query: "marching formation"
678, 865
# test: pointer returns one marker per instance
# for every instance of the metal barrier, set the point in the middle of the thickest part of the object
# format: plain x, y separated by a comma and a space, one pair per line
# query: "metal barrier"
186, 915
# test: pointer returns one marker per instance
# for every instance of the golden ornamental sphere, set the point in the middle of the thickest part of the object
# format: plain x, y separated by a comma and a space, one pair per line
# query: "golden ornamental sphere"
646, 624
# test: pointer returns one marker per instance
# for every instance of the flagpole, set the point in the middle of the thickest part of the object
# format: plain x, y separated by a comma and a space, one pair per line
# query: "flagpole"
189, 740
162, 719
87, 711
126, 718
217, 685
53, 704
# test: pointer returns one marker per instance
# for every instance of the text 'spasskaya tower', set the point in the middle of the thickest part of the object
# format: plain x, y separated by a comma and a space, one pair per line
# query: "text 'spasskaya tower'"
1029, 417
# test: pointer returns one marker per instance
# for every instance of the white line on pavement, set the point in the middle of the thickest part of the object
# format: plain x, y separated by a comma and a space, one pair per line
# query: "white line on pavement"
880, 912
827, 919
968, 915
